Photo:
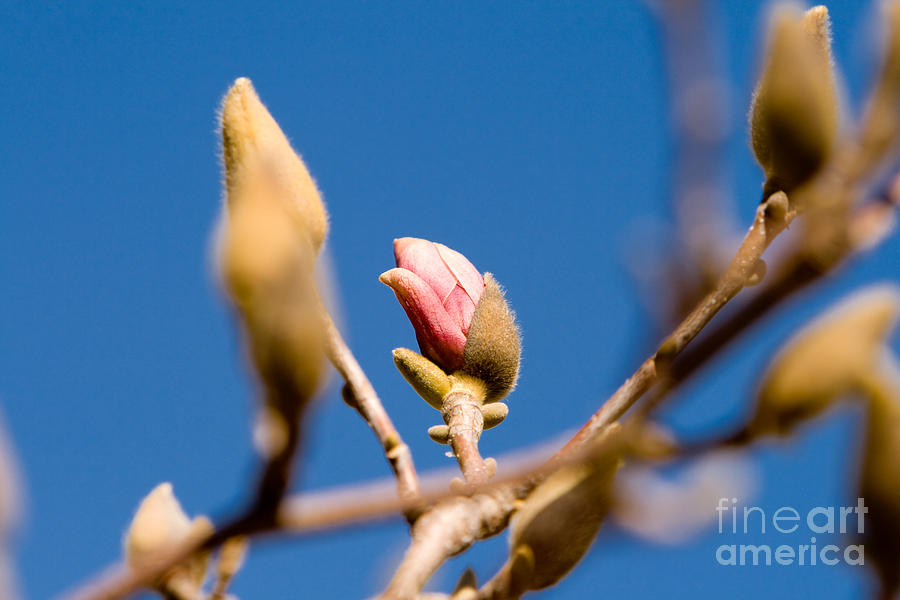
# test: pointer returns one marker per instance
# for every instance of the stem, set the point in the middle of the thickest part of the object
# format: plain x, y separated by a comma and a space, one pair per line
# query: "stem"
359, 393
461, 410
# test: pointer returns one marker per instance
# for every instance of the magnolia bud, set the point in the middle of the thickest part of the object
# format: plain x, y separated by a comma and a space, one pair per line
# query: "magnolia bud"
425, 377
880, 481
494, 347
558, 522
266, 258
829, 359
794, 117
255, 151
158, 526
461, 319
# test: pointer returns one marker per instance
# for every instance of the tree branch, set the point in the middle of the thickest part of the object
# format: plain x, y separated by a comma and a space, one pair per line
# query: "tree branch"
359, 394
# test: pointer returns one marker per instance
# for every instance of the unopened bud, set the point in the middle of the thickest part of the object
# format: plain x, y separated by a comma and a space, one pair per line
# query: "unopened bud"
794, 118
829, 359
256, 152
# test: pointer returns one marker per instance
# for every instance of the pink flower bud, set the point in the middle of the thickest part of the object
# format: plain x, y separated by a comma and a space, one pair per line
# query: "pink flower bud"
439, 289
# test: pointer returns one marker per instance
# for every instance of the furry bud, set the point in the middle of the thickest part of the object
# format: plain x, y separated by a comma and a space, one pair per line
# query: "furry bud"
255, 150
794, 117
829, 359
493, 347
558, 522
425, 377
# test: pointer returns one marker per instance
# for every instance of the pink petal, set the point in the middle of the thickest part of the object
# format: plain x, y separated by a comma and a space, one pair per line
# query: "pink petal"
464, 272
440, 337
422, 258
460, 307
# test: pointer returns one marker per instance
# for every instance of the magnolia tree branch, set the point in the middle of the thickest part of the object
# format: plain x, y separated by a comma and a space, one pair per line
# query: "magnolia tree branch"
359, 393
492, 504
772, 217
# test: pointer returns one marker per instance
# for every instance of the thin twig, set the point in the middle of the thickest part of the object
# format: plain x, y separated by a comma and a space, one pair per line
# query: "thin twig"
359, 393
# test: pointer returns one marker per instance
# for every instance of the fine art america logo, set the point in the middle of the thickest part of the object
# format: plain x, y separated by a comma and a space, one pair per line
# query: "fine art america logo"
828, 521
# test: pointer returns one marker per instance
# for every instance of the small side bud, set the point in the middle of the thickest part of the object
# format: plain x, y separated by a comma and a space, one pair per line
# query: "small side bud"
425, 377
255, 150
439, 434
829, 359
494, 413
794, 117
493, 347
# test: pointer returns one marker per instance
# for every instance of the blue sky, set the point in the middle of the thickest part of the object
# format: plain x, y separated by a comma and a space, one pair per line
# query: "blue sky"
533, 137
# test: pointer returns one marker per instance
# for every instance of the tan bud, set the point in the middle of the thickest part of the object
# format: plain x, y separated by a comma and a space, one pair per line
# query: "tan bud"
794, 116
558, 522
829, 359
256, 153
494, 413
439, 434
425, 377
880, 479
881, 123
493, 346
268, 269
158, 526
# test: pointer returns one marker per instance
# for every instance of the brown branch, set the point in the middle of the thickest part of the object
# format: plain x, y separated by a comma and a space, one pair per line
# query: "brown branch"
445, 531
359, 393
772, 217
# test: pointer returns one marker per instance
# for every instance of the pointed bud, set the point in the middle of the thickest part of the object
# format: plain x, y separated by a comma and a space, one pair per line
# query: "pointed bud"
256, 153
159, 525
494, 347
438, 288
794, 118
828, 360
881, 124
425, 377
557, 524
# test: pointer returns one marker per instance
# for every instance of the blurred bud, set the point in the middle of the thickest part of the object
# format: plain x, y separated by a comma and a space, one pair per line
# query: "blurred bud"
881, 123
466, 587
160, 525
461, 319
827, 360
267, 266
439, 289
880, 479
256, 152
425, 377
556, 525
230, 560
794, 117
671, 510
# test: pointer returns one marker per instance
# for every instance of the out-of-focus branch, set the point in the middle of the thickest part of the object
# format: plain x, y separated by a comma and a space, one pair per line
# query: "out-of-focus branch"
772, 217
359, 393
698, 94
